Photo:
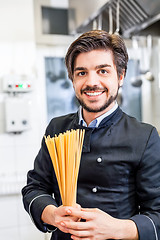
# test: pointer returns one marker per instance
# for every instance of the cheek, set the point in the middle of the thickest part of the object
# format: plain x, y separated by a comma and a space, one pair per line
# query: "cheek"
112, 87
76, 89
77, 86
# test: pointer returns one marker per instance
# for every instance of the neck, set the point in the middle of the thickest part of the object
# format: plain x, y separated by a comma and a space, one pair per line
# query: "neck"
90, 116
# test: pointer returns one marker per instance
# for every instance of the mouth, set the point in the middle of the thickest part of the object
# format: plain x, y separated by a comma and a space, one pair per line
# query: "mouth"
94, 93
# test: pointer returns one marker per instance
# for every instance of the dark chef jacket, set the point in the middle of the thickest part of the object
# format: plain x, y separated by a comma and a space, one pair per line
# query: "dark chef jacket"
119, 173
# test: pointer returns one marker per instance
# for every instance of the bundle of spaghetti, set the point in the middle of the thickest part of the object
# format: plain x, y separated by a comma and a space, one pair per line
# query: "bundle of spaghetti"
65, 152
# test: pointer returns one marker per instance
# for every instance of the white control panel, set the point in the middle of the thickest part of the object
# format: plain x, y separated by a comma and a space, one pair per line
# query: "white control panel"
17, 102
16, 84
17, 114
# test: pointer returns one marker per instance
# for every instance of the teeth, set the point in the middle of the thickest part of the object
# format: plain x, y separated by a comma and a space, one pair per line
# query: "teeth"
93, 93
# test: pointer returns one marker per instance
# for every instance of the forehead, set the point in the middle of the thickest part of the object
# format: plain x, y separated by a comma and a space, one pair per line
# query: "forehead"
94, 58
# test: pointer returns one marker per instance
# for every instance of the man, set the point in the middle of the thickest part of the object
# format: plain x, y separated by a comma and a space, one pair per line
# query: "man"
119, 179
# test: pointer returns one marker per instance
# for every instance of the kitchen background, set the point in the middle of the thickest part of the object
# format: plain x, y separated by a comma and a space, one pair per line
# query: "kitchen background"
34, 86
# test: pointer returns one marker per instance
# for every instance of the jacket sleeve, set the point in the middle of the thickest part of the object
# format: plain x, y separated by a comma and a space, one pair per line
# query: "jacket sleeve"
148, 190
41, 184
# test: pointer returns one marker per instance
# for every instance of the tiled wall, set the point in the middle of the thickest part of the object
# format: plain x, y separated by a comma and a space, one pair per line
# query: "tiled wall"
15, 223
21, 56
17, 151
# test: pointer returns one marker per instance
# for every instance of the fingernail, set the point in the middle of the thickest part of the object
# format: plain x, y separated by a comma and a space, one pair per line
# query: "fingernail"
62, 224
68, 211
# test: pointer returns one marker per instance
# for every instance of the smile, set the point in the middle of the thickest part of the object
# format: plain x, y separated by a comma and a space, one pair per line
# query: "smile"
93, 93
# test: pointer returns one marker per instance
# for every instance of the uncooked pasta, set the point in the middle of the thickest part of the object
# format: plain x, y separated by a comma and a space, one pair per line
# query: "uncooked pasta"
65, 152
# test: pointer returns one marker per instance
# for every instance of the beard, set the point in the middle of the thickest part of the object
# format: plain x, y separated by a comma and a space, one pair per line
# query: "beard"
98, 109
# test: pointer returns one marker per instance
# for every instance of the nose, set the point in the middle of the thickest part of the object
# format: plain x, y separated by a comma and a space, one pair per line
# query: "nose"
92, 79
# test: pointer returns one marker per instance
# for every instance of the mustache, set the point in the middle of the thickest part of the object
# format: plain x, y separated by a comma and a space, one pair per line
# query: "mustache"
93, 89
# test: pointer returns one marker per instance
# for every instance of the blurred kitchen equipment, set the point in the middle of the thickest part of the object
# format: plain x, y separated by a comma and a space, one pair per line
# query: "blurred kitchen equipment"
17, 103
110, 20
117, 17
137, 17
138, 80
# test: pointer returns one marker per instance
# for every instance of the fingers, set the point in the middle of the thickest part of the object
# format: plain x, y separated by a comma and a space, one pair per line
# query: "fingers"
65, 210
78, 206
90, 209
63, 229
78, 230
78, 226
79, 238
69, 222
80, 235
86, 214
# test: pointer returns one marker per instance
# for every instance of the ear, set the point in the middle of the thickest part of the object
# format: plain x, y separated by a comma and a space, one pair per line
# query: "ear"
121, 79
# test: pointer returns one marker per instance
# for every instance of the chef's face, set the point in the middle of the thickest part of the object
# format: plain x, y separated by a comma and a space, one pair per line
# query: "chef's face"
95, 80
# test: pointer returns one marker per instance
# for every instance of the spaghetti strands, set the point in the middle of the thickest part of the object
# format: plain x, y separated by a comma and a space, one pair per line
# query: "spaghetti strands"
65, 152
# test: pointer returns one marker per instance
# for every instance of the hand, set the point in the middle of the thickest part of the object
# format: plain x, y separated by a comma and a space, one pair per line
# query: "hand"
55, 215
99, 225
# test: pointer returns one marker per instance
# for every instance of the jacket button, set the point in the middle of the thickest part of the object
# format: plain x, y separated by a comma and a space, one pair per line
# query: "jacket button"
94, 189
99, 160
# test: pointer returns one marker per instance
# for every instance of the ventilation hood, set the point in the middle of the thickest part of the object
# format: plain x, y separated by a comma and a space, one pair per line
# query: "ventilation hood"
127, 17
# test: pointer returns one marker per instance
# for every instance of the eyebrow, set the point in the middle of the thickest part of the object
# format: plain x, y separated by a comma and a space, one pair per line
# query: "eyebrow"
97, 67
79, 68
102, 66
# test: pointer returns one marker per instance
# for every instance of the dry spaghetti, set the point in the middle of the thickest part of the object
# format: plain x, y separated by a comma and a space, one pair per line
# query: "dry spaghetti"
65, 152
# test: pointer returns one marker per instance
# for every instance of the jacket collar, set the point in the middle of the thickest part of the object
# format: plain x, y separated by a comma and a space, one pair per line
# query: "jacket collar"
98, 120
113, 118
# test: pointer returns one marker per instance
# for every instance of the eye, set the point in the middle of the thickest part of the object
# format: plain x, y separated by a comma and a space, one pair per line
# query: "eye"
103, 71
81, 73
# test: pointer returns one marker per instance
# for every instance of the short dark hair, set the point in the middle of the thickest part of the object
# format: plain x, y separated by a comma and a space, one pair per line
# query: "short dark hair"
98, 39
